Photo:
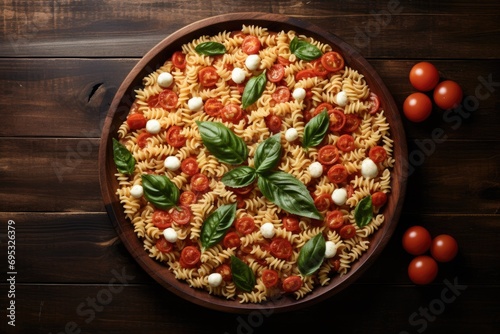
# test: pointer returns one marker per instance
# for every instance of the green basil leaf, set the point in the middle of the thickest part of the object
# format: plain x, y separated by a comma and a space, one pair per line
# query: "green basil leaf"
304, 50
243, 276
124, 161
159, 190
311, 255
253, 90
214, 228
210, 48
223, 143
288, 193
268, 154
239, 177
316, 129
363, 213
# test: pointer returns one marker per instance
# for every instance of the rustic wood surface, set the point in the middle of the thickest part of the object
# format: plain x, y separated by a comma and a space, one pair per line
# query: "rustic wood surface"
61, 63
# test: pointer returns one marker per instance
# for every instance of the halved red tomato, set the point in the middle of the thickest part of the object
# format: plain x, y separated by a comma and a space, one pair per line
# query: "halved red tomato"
136, 121
168, 99
328, 155
161, 219
281, 248
208, 76
292, 283
334, 219
189, 166
270, 278
319, 69
251, 45
377, 154
181, 215
179, 60
275, 73
190, 257
225, 271
231, 240
352, 123
163, 245
187, 197
281, 94
347, 231
245, 225
337, 119
375, 103
305, 74
231, 113
200, 182
332, 61
345, 143
292, 224
323, 202
337, 173
174, 137
142, 139
379, 198
273, 122
213, 107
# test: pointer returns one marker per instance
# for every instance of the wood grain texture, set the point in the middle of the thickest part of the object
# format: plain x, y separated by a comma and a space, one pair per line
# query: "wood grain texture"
62, 61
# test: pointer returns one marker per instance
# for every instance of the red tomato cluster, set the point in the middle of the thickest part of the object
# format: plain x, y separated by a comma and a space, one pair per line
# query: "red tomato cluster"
425, 77
417, 241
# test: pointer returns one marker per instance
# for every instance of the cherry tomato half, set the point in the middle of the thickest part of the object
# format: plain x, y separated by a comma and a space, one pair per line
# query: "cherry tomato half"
347, 231
231, 113
208, 76
189, 166
251, 45
323, 202
292, 283
375, 103
163, 245
168, 99
417, 107
142, 139
345, 143
335, 219
337, 119
292, 224
273, 122
213, 107
422, 270
444, 248
379, 198
377, 154
179, 60
448, 95
231, 240
332, 61
337, 173
190, 256
245, 225
281, 248
328, 154
161, 219
181, 215
275, 73
136, 121
270, 278
281, 94
174, 137
225, 271
416, 240
424, 76
200, 182
187, 197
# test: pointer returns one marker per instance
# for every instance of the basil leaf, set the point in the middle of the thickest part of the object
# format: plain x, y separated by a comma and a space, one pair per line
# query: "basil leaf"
159, 190
253, 90
311, 255
239, 177
210, 48
243, 276
268, 154
363, 213
316, 129
288, 193
223, 143
304, 50
124, 161
216, 225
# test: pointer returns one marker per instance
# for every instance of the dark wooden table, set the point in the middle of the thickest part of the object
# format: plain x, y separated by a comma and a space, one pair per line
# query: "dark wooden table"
60, 65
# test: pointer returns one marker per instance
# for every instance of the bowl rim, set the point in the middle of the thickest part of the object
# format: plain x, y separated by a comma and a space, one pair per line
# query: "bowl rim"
152, 60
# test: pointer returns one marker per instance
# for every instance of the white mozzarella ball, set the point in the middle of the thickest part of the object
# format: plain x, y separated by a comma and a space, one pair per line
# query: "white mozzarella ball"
137, 191
238, 75
341, 99
172, 163
195, 103
369, 168
267, 230
170, 234
299, 93
214, 279
252, 62
153, 126
316, 169
330, 249
339, 196
165, 79
291, 134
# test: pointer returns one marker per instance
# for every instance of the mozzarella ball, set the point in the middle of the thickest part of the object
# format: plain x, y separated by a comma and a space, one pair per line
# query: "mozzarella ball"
291, 134
214, 279
369, 168
341, 98
267, 230
339, 196
170, 234
252, 62
172, 163
137, 191
316, 169
195, 103
299, 93
153, 126
238, 75
165, 79
330, 249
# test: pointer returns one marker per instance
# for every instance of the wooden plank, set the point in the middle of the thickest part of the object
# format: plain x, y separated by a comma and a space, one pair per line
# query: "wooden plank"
76, 93
119, 28
60, 240
56, 174
139, 309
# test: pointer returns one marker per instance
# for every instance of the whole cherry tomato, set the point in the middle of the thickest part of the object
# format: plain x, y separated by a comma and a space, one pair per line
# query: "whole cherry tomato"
424, 76
417, 107
422, 270
416, 240
444, 248
448, 95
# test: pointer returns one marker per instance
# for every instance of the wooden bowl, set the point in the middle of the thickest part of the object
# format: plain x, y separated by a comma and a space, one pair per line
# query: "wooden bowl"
153, 60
